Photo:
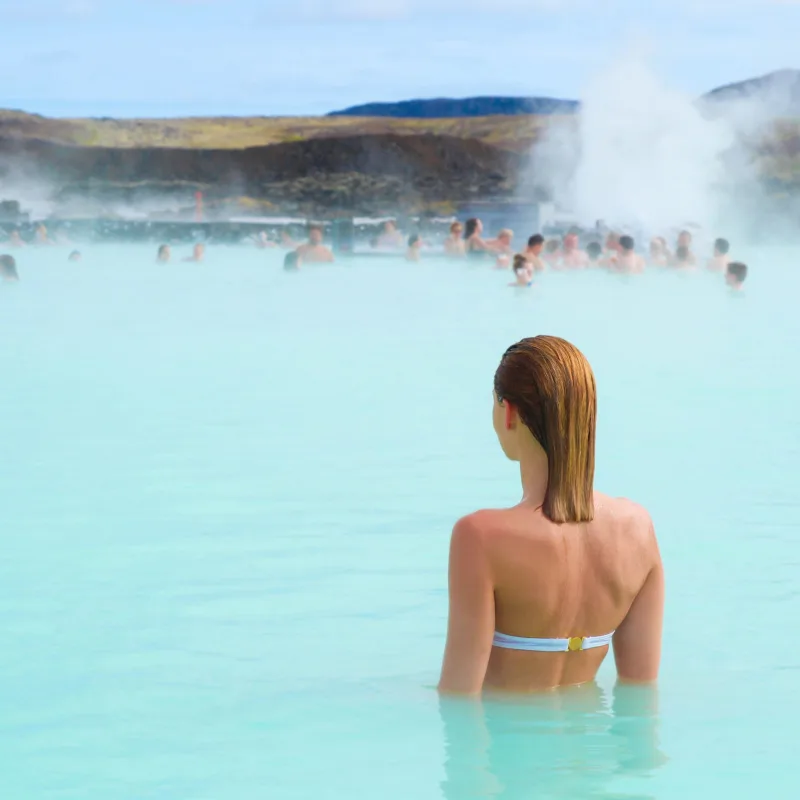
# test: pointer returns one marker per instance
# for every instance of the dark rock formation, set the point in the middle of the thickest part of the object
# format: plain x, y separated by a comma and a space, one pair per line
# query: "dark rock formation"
353, 173
446, 108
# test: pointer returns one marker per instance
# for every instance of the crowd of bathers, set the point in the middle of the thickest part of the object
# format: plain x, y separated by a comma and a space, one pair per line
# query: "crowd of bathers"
609, 250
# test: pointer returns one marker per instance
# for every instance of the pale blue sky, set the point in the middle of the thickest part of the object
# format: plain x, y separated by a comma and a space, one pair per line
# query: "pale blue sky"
176, 57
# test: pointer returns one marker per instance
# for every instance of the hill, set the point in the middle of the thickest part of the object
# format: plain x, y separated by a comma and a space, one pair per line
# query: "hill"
443, 107
776, 94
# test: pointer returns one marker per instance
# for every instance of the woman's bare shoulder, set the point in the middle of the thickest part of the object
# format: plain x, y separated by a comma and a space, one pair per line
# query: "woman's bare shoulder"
622, 511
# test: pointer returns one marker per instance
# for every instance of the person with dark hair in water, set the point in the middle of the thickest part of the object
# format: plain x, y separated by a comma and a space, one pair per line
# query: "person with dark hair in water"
735, 275
164, 254
8, 268
292, 261
594, 253
628, 260
533, 252
414, 247
474, 244
75, 255
720, 260
541, 591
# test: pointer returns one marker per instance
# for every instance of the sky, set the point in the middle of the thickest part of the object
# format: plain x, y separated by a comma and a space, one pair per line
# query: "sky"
306, 57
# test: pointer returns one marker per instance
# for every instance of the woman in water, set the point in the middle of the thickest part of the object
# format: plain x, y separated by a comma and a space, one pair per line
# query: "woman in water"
473, 243
523, 271
164, 254
539, 591
454, 244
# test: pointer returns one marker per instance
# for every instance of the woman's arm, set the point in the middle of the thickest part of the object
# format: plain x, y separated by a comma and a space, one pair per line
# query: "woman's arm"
637, 641
470, 628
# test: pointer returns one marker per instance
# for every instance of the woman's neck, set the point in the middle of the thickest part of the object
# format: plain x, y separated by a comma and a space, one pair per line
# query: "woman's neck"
534, 476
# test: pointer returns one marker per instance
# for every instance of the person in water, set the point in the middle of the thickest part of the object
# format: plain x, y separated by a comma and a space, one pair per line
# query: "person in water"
720, 260
314, 251
573, 257
594, 254
735, 275
683, 258
198, 254
292, 261
414, 247
523, 271
473, 243
454, 244
15, 240
164, 254
41, 236
390, 237
612, 245
659, 252
628, 260
75, 255
538, 592
533, 252
685, 241
502, 244
8, 268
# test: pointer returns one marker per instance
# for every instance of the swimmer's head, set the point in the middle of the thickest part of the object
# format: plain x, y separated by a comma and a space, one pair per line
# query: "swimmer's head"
473, 227
75, 255
736, 274
292, 261
315, 234
658, 246
414, 241
8, 268
536, 243
390, 226
626, 244
545, 410
683, 254
199, 251
594, 251
685, 239
456, 229
571, 242
722, 247
521, 263
164, 254
612, 241
505, 236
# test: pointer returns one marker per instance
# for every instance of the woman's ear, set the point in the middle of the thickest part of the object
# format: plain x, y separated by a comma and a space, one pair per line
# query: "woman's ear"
511, 416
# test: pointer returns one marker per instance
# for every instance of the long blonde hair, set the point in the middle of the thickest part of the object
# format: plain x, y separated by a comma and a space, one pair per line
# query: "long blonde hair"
550, 383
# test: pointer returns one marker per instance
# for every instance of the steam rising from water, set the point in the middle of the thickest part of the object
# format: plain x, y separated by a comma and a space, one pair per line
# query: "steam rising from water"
648, 155
642, 155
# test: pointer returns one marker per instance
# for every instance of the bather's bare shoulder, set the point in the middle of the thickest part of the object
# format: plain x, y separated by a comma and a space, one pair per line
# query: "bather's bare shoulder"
624, 513
480, 524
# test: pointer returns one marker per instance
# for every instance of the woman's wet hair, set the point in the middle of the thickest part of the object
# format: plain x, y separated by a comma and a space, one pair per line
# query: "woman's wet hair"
8, 268
413, 239
737, 270
291, 261
551, 385
722, 246
471, 227
594, 250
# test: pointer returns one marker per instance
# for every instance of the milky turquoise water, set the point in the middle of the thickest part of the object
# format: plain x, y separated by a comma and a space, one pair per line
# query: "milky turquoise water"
225, 500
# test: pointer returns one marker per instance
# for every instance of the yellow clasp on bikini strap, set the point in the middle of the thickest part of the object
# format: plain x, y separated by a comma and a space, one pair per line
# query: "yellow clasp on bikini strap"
575, 644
